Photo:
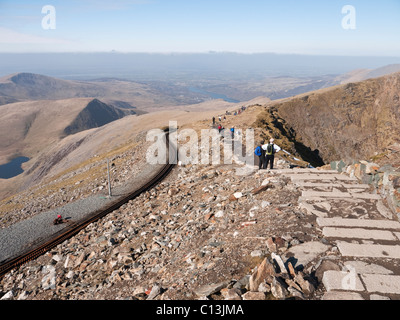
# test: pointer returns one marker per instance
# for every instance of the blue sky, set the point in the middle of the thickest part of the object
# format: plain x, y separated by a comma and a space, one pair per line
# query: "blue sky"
248, 26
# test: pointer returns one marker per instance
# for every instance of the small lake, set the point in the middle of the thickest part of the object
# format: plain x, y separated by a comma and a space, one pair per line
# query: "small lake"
213, 95
12, 168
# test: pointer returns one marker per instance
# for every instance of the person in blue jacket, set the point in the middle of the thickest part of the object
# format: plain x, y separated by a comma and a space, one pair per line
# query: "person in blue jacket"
233, 132
260, 153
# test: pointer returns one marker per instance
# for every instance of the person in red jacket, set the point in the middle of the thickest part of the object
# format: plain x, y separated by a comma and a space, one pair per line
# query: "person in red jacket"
58, 220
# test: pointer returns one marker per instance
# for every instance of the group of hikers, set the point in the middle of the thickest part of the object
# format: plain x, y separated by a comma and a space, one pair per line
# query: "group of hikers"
220, 127
219, 118
266, 154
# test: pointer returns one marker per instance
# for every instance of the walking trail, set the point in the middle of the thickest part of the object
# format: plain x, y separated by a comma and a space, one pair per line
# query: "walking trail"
363, 229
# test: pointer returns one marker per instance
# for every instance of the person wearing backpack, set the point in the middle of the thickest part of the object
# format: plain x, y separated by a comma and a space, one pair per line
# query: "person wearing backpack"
233, 133
260, 153
270, 150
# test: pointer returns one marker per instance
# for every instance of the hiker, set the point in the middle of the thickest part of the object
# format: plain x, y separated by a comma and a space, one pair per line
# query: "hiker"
213, 120
233, 132
260, 153
219, 128
58, 220
270, 150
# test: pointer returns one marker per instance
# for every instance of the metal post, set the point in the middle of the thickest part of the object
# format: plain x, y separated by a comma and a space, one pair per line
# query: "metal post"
109, 180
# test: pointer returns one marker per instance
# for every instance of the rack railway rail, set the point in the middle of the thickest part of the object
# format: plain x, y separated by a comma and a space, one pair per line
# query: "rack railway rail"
75, 227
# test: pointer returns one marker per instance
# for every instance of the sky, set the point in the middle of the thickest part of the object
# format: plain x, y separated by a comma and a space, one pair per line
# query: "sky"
371, 28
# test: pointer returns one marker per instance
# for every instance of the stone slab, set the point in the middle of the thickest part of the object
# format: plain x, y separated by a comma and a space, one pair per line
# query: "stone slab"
369, 250
310, 176
389, 284
342, 295
209, 289
342, 280
362, 267
323, 194
328, 171
338, 194
385, 212
312, 210
355, 186
366, 196
306, 252
358, 233
298, 171
316, 199
317, 184
342, 177
378, 297
360, 223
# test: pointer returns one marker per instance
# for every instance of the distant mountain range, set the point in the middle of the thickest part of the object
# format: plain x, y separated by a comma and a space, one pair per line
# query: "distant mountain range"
364, 74
28, 87
157, 95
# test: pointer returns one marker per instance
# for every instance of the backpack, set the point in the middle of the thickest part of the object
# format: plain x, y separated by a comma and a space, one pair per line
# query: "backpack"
258, 151
270, 149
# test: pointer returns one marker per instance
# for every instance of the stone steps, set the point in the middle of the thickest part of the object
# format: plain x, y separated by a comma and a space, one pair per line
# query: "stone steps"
369, 243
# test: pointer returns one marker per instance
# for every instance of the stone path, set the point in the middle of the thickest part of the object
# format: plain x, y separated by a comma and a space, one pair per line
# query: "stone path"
363, 229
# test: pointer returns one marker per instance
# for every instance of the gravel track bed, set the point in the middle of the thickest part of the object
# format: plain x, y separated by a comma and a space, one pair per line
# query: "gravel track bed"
23, 235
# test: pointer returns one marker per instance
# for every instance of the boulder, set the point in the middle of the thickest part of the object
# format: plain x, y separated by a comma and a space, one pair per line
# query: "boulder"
254, 296
264, 270
209, 289
306, 252
259, 189
49, 280
278, 290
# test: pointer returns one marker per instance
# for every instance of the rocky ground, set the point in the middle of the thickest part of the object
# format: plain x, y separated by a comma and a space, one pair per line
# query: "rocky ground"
204, 232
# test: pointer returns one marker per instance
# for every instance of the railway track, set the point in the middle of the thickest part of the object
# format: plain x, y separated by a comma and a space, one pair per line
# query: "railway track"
76, 227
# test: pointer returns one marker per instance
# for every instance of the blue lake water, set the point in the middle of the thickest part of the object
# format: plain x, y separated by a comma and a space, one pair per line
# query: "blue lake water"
12, 168
213, 95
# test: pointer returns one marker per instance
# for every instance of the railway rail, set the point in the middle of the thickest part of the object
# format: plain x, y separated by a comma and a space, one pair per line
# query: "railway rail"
75, 227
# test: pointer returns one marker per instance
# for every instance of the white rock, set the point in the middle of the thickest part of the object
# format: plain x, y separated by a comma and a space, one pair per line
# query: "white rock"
49, 280
265, 182
265, 204
238, 195
278, 290
219, 214
8, 296
279, 261
23, 295
256, 253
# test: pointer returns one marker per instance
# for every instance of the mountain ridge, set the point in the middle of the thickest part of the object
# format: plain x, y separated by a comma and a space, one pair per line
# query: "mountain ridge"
349, 121
156, 95
29, 126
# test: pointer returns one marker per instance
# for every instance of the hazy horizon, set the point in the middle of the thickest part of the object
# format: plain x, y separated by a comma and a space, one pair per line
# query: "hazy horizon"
158, 66
336, 27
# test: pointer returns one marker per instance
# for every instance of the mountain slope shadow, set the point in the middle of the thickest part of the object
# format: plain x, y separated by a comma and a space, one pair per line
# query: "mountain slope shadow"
96, 114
